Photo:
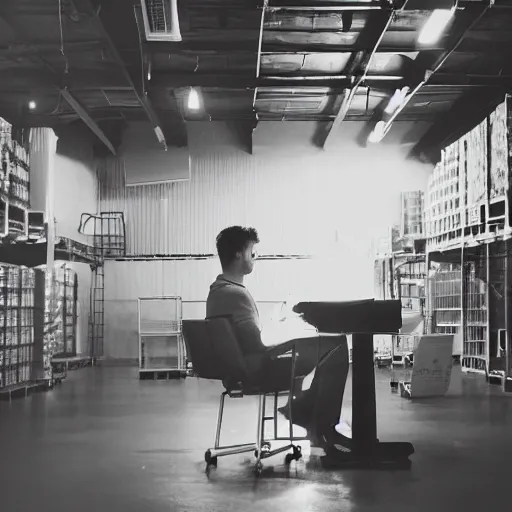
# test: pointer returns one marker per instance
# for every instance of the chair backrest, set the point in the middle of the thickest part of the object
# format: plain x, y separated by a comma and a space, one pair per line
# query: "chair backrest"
214, 350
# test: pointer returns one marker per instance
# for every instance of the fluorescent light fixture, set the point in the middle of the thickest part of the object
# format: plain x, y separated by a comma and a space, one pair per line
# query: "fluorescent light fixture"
32, 105
194, 102
435, 25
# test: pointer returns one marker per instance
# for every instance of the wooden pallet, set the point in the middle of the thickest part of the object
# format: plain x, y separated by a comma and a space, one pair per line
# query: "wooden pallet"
71, 363
22, 390
162, 374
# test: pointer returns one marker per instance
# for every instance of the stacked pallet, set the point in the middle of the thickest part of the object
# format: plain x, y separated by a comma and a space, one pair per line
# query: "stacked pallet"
412, 225
17, 287
444, 210
14, 183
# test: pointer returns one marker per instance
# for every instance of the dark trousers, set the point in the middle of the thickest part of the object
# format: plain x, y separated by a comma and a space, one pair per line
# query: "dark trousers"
329, 356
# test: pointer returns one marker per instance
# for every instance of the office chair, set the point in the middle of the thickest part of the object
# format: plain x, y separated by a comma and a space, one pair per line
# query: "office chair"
215, 354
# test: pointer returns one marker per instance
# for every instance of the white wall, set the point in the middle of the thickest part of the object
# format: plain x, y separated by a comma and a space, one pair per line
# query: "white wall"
75, 185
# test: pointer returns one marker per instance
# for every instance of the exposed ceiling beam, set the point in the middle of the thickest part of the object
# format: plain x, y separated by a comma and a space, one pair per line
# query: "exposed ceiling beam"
382, 128
28, 79
174, 80
331, 6
363, 66
141, 95
467, 112
258, 58
87, 119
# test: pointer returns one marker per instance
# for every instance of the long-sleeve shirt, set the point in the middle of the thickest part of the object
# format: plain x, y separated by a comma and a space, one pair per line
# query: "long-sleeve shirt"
229, 298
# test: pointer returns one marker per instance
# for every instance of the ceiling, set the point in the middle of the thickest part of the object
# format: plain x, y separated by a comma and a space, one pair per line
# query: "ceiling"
85, 61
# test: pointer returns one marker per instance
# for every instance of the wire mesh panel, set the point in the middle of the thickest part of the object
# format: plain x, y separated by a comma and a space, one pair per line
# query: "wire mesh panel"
160, 315
161, 344
402, 357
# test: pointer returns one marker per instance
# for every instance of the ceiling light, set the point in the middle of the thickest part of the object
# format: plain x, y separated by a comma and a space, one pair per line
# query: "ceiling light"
435, 25
32, 105
193, 100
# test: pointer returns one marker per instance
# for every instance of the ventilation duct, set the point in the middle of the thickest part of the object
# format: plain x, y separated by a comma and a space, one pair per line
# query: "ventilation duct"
161, 21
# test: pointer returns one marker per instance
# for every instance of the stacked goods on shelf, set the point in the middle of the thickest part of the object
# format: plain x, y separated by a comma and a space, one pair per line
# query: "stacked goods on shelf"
60, 312
474, 147
17, 287
444, 211
411, 277
499, 168
474, 353
412, 214
14, 183
445, 299
498, 154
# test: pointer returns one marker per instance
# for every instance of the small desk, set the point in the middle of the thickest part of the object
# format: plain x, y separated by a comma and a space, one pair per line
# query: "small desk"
362, 319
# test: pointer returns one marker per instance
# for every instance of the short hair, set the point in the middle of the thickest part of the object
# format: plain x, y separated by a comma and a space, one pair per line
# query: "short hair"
232, 240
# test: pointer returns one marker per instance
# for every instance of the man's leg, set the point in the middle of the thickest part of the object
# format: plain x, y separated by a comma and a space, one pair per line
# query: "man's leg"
276, 372
312, 353
328, 388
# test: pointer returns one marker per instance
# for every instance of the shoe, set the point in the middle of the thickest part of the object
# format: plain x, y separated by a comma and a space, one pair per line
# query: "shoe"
301, 411
331, 440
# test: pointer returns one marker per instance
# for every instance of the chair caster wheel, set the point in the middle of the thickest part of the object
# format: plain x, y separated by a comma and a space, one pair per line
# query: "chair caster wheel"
296, 455
265, 448
210, 461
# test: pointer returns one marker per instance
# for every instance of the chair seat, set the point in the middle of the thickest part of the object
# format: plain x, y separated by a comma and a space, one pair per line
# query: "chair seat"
252, 389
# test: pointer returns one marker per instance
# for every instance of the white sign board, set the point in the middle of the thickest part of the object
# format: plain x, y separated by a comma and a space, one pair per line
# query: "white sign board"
432, 370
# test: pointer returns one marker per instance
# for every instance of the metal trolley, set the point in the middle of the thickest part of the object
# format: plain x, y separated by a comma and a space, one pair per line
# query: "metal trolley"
161, 345
403, 347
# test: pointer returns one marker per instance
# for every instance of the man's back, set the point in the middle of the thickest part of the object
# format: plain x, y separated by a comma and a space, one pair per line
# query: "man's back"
230, 298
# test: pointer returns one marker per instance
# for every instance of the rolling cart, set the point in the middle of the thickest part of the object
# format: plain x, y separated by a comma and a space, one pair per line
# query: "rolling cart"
161, 344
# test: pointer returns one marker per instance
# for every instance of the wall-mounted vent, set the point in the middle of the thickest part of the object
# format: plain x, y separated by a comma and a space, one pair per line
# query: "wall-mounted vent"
161, 21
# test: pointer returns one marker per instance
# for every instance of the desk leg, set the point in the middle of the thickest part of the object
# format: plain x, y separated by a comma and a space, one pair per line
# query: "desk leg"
364, 414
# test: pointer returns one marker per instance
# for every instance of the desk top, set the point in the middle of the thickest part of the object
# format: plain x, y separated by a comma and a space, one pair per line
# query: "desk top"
360, 316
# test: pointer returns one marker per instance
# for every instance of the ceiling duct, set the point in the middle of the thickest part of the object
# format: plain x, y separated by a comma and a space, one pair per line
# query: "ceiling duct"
161, 22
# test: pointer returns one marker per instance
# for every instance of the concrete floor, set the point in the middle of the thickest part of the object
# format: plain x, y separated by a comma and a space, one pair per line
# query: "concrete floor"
105, 441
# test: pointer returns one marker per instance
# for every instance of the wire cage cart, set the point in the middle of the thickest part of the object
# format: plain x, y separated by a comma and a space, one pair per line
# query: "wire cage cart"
161, 344
403, 347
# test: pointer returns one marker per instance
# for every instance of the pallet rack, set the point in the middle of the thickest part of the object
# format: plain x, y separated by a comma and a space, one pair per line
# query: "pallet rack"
17, 306
468, 220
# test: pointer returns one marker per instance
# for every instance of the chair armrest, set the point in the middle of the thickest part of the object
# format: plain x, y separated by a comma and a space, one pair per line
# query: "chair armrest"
283, 348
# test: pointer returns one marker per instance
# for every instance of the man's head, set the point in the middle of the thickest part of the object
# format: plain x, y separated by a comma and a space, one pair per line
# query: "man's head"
235, 246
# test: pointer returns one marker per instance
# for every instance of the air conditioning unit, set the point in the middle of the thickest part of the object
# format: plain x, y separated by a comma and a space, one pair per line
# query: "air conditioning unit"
161, 21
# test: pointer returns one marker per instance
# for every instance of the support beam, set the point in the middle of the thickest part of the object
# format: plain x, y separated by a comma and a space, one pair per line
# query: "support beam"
327, 7
141, 95
87, 119
466, 113
349, 94
383, 128
169, 80
258, 58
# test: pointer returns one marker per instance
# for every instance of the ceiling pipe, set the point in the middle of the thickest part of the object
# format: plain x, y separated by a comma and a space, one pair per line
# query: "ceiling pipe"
350, 94
260, 44
345, 6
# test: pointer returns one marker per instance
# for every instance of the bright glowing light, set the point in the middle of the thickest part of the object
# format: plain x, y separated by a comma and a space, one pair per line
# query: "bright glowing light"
193, 100
435, 25
32, 105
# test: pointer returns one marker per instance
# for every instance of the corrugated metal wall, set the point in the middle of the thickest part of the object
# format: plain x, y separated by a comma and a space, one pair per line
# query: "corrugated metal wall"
302, 200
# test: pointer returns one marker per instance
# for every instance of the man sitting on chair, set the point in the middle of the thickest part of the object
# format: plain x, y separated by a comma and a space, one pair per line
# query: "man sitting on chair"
318, 408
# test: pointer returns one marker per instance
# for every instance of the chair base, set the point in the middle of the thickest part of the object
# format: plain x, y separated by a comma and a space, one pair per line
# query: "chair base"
381, 456
262, 447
